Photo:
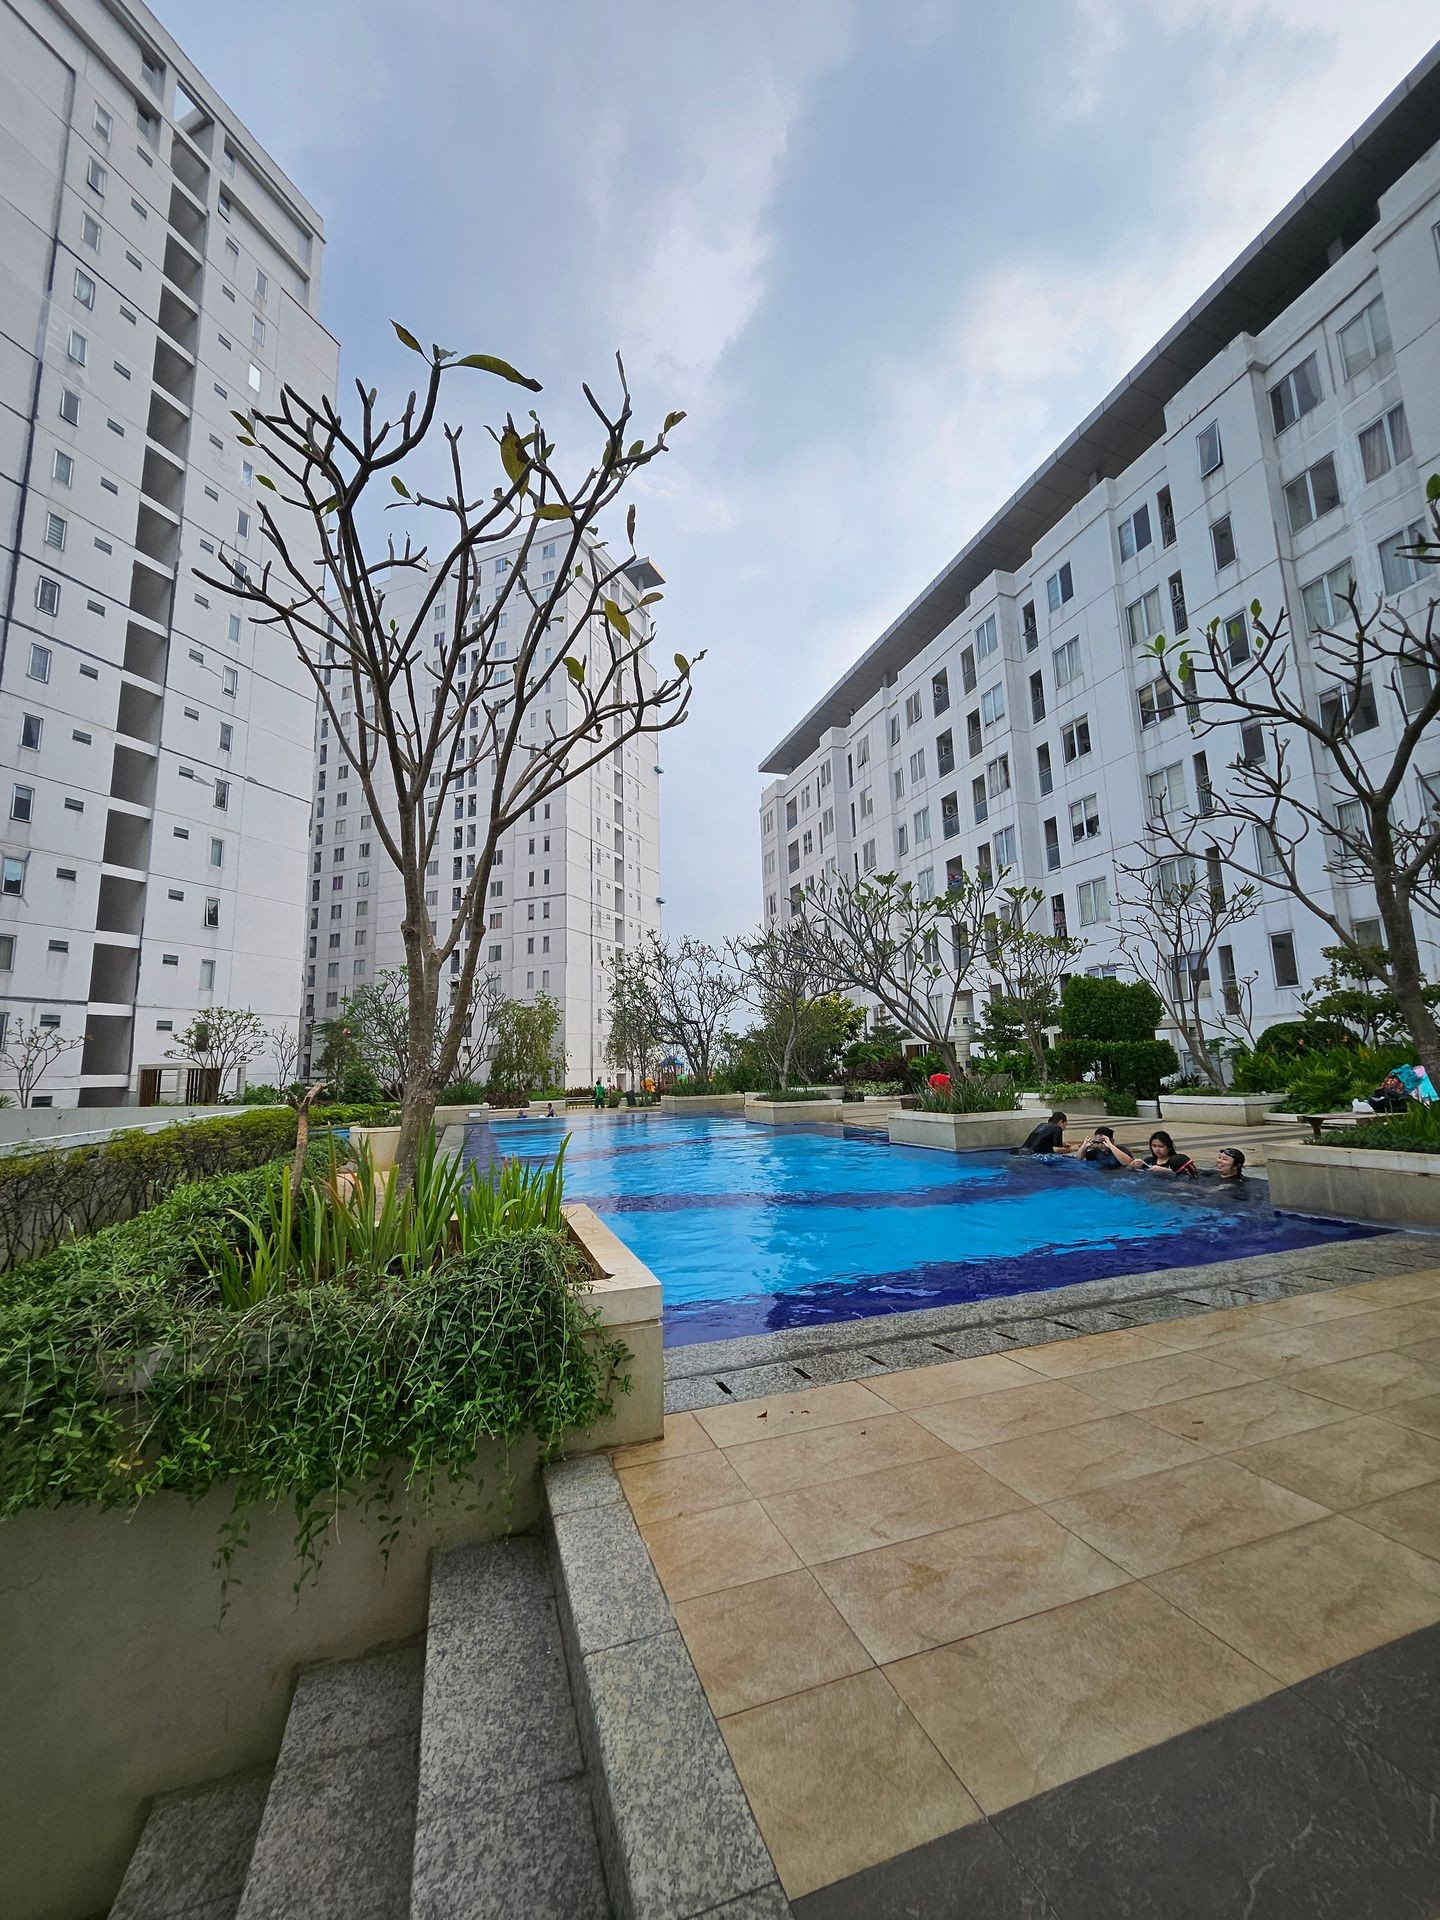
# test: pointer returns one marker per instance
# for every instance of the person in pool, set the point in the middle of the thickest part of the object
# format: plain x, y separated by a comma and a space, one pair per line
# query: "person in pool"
1165, 1157
1048, 1137
1100, 1149
1230, 1165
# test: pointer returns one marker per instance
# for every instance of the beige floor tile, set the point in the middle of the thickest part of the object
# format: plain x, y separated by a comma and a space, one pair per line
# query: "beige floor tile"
1028, 1706
1412, 1518
689, 1484
788, 1413
722, 1547
1197, 1331
768, 1638
1168, 1519
1306, 1600
1242, 1416
1397, 1290
1422, 1414
878, 1509
1051, 1466
951, 1380
1349, 1463
1148, 1383
1374, 1380
1294, 1350
1090, 1350
991, 1417
927, 1592
841, 1778
808, 1459
683, 1434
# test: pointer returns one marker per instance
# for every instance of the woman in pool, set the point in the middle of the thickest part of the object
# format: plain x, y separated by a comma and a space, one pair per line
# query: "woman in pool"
1230, 1165
1163, 1156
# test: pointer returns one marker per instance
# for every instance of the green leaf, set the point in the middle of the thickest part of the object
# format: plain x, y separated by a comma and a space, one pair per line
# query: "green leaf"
682, 666
1254, 609
244, 440
329, 506
406, 338
264, 480
400, 487
635, 449
649, 599
672, 420
502, 369
630, 524
552, 510
616, 616
512, 454
1432, 487
576, 669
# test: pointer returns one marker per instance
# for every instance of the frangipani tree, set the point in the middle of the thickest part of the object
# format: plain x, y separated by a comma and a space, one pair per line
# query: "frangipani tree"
421, 717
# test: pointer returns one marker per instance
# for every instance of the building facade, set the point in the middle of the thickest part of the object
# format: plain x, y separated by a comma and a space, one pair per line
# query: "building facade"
158, 273
573, 883
1273, 447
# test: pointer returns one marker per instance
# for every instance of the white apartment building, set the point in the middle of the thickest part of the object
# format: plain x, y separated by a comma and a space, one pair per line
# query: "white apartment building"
1272, 446
157, 274
575, 881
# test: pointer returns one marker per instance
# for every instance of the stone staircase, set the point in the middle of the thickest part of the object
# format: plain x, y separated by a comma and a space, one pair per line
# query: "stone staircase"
434, 1781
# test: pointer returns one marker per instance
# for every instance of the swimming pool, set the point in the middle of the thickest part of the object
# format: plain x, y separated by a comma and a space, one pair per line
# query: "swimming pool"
752, 1229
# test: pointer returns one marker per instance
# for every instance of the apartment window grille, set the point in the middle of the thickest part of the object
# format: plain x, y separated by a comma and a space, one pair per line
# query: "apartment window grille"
1384, 444
1313, 494
1294, 396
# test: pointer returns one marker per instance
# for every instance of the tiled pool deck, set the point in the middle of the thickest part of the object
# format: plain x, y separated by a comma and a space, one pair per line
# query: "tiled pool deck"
963, 1623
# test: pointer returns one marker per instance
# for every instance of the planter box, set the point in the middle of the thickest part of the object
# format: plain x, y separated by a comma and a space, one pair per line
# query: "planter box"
1221, 1109
886, 1102
1092, 1107
1356, 1183
702, 1103
795, 1113
960, 1132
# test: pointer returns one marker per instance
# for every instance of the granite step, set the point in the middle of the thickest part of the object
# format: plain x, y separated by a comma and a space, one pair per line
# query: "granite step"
193, 1853
503, 1824
338, 1830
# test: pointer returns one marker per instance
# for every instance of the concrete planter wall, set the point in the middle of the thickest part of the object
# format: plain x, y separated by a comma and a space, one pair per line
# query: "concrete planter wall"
883, 1103
1356, 1183
960, 1132
795, 1113
702, 1103
1221, 1109
123, 1681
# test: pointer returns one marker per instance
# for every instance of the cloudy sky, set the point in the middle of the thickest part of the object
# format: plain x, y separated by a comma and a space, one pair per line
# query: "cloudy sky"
884, 252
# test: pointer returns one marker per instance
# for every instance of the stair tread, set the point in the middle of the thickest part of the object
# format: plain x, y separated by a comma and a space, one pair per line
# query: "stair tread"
193, 1853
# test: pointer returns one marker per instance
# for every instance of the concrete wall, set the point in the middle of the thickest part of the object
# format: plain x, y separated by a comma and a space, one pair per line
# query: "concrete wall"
67, 1125
1357, 1183
959, 1132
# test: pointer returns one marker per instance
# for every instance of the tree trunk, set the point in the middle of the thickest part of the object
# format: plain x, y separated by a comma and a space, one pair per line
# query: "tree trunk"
1407, 980
1035, 1040
788, 1059
417, 1108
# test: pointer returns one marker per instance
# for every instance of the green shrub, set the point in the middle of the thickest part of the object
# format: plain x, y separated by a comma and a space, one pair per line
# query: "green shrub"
1417, 1130
1018, 1065
1120, 1105
1061, 1090
354, 1114
1099, 1009
1298, 1039
262, 1094
1135, 1066
795, 1093
49, 1193
970, 1093
463, 1093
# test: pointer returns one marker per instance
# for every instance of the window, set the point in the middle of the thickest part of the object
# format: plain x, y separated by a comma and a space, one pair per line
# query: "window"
1059, 587
1157, 702
902, 840
70, 406
913, 710
992, 706
1207, 442
38, 667
899, 779
1075, 739
1044, 772
1085, 818
1252, 745
252, 376
1415, 684
987, 638
1142, 617
77, 347
1283, 961
1093, 898
1400, 568
84, 285
917, 766
96, 176
1166, 789
62, 469
229, 681
1167, 517
262, 285
940, 691
1324, 599
22, 802
257, 329
31, 728
7, 952
1179, 616
1029, 628
1052, 846
102, 123
979, 804
1067, 666
944, 752
867, 856
1315, 493
47, 594
1384, 443
1296, 394
967, 669
1037, 696
921, 824
1222, 542
1237, 638
1343, 712
212, 911
997, 776
1135, 533
217, 851
242, 525
55, 531
12, 876
1004, 849
1364, 339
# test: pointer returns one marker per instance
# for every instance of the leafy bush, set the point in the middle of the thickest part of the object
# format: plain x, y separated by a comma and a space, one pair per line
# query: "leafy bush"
795, 1093
1299, 1039
1417, 1130
462, 1093
857, 1090
262, 1094
1134, 1066
49, 1193
354, 1114
1061, 1090
920, 1066
1099, 1009
1019, 1065
971, 1093
1120, 1105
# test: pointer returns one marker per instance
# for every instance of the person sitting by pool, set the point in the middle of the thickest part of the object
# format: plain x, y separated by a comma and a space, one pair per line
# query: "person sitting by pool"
1390, 1096
1100, 1149
1230, 1165
1048, 1137
550, 1111
1163, 1156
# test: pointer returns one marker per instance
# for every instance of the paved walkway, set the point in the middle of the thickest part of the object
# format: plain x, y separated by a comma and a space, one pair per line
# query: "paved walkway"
927, 1606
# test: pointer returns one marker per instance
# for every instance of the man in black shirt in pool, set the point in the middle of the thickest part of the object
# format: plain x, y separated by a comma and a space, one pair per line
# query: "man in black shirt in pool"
1048, 1137
1099, 1148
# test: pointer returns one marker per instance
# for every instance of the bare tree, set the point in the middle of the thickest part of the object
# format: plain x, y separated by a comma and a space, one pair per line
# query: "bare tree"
633, 1037
218, 1042
915, 958
423, 716
1172, 919
1029, 965
376, 1018
30, 1053
285, 1052
1378, 813
695, 987
781, 983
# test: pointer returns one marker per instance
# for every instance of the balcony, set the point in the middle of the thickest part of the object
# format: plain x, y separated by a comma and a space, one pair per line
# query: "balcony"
105, 1056
151, 590
187, 216
189, 168
157, 536
145, 653
162, 480
168, 424
132, 780
139, 714
114, 972
182, 267
127, 841
174, 372
121, 906
178, 318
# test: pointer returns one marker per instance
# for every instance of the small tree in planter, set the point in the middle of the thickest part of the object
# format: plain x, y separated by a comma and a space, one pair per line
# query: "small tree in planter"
1029, 965
777, 966
1108, 1028
695, 987
633, 1040
218, 1042
30, 1052
525, 1055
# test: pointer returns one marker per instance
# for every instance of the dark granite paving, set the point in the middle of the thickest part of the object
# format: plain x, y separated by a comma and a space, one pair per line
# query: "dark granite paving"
1320, 1802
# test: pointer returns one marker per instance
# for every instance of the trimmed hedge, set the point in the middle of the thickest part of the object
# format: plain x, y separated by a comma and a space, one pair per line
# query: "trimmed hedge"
50, 1194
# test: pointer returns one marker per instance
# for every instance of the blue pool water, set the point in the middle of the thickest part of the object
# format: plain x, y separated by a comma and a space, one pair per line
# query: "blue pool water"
752, 1229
